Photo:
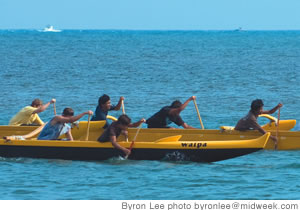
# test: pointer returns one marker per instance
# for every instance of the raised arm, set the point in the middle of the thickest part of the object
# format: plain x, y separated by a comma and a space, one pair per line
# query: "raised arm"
182, 107
118, 106
271, 111
44, 107
136, 124
63, 119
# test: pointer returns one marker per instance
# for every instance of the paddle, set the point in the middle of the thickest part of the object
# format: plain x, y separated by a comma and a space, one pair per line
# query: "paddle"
198, 114
88, 129
132, 143
123, 107
54, 108
277, 128
123, 111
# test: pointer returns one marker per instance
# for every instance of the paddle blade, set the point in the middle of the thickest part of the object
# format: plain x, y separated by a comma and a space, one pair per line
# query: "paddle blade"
169, 139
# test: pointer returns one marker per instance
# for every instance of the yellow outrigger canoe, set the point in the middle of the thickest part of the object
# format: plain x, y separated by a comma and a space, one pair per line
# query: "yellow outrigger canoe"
169, 148
219, 144
150, 144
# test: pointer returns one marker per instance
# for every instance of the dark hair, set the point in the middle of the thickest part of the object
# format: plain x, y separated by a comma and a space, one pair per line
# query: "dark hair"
124, 120
36, 102
103, 99
176, 104
68, 112
256, 104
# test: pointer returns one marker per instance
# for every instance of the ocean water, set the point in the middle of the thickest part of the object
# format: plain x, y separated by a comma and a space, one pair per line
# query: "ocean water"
226, 70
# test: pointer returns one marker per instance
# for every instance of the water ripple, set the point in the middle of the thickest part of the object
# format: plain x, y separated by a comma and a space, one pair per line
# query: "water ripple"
225, 70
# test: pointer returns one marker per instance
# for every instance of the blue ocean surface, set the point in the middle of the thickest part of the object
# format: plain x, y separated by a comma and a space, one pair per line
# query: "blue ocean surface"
226, 70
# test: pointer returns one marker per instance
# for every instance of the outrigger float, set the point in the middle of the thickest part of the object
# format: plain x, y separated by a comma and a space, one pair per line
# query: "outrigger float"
147, 146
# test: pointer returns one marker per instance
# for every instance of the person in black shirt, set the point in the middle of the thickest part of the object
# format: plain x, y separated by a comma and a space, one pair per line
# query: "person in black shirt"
104, 105
115, 129
169, 114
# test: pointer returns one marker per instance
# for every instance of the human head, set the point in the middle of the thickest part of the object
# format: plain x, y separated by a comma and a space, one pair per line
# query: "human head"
124, 121
68, 112
36, 103
104, 102
176, 104
257, 105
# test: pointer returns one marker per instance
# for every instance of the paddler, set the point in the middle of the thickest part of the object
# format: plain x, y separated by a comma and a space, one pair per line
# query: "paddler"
113, 131
249, 122
169, 114
104, 105
29, 114
58, 125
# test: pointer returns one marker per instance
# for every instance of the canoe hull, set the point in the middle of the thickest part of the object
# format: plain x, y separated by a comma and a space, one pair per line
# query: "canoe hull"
163, 149
94, 154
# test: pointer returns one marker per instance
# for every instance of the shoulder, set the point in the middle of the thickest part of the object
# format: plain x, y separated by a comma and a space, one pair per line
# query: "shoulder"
113, 125
100, 114
112, 128
98, 109
166, 108
251, 116
172, 111
58, 118
29, 109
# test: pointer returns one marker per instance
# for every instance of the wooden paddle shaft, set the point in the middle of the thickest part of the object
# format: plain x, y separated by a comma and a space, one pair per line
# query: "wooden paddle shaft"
132, 143
54, 108
137, 132
123, 107
198, 114
123, 111
88, 129
278, 119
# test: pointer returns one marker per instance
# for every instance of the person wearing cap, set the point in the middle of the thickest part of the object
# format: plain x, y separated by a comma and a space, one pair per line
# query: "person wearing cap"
58, 125
113, 131
249, 122
104, 105
29, 114
169, 114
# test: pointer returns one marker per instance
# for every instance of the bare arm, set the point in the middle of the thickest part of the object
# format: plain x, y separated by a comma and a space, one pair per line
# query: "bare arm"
119, 103
185, 125
69, 135
64, 119
43, 107
261, 130
114, 142
182, 107
136, 124
271, 111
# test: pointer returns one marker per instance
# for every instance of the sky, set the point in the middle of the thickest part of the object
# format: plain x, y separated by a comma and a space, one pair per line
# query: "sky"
151, 14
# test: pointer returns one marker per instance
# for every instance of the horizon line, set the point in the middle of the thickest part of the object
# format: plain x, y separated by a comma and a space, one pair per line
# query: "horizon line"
95, 29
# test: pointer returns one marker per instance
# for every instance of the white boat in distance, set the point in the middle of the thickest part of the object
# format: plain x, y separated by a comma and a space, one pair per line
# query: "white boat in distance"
50, 28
